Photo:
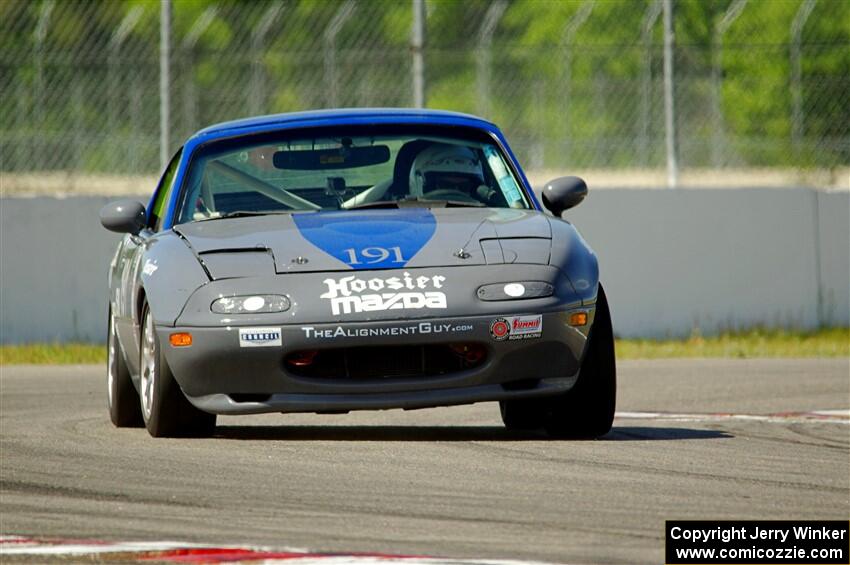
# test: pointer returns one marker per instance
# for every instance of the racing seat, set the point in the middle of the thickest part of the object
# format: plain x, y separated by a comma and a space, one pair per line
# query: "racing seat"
401, 170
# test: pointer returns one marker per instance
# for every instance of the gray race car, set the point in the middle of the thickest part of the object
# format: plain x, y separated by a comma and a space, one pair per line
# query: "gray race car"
355, 259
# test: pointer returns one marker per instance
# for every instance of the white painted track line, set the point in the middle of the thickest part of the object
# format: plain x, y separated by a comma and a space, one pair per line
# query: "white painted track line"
820, 416
179, 552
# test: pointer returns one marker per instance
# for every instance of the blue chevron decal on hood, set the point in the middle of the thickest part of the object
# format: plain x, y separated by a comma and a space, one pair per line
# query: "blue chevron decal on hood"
374, 239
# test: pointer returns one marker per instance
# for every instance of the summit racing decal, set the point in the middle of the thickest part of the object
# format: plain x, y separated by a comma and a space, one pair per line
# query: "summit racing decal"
422, 328
353, 294
516, 327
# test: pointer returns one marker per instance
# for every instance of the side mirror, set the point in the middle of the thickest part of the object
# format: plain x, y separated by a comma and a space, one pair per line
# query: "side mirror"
563, 193
124, 216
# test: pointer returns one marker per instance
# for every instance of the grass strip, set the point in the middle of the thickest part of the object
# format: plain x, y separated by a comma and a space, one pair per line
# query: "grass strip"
834, 342
52, 354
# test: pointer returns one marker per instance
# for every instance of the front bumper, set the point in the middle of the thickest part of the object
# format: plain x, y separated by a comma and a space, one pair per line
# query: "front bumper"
220, 376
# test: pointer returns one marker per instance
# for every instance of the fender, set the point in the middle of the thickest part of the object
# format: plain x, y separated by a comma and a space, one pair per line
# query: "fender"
169, 274
576, 260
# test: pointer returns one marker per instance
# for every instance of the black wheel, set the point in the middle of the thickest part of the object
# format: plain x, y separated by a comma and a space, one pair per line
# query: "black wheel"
165, 410
121, 397
523, 414
587, 411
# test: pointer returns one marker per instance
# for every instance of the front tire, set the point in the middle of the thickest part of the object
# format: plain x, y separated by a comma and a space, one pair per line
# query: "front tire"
164, 408
122, 398
522, 415
587, 411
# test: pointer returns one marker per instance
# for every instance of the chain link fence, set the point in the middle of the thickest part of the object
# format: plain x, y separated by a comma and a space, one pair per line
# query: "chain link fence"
762, 87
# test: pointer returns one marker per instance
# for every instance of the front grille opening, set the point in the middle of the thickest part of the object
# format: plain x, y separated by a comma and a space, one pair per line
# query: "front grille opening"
249, 397
385, 362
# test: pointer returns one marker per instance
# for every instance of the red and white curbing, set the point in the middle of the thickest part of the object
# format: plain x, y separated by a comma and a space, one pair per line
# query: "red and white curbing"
830, 416
179, 552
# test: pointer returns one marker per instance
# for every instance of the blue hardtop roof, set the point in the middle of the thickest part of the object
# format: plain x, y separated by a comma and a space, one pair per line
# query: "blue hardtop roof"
325, 118
342, 116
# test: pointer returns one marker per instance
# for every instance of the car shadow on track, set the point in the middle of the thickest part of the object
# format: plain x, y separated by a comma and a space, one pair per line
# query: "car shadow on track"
444, 433
631, 433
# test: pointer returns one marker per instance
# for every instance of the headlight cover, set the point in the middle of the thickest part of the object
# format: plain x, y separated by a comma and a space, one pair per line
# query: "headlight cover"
255, 304
519, 290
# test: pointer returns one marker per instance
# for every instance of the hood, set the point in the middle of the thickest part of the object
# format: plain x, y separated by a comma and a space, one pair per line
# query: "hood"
368, 239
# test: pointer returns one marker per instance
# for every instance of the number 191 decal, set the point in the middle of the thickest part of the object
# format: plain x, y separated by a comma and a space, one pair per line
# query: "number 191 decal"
371, 255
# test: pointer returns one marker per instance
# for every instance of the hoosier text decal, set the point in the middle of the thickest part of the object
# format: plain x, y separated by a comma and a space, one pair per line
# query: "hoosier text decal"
353, 294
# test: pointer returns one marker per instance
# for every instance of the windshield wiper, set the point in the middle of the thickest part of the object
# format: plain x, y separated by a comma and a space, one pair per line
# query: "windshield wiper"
451, 203
243, 213
417, 203
376, 204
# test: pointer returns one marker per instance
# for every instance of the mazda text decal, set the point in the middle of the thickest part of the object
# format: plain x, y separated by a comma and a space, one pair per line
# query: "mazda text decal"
517, 327
422, 328
353, 294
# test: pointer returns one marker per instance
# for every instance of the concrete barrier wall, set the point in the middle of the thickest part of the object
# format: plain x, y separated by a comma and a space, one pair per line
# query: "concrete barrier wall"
834, 240
671, 261
676, 260
54, 257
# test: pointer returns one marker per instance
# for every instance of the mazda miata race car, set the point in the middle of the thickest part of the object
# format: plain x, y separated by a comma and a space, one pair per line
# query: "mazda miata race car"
345, 260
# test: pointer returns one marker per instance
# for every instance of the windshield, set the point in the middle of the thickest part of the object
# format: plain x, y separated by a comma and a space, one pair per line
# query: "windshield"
339, 172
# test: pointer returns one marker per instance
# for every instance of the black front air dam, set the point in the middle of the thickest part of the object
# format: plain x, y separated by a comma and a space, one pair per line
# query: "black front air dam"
215, 364
333, 403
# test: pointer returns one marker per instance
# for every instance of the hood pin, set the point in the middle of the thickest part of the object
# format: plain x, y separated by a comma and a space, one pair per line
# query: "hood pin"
462, 254
300, 260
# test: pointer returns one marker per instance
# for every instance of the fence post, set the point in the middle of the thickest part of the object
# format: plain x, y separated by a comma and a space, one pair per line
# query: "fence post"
113, 81
719, 133
797, 118
538, 151
331, 32
257, 95
417, 46
649, 20
187, 48
78, 111
164, 80
567, 40
22, 116
483, 54
40, 35
669, 107
136, 121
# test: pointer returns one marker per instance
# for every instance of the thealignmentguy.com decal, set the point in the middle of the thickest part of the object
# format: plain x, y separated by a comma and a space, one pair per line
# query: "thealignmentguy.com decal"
421, 328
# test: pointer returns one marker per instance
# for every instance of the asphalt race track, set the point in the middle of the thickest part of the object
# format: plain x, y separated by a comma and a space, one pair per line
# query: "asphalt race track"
449, 482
